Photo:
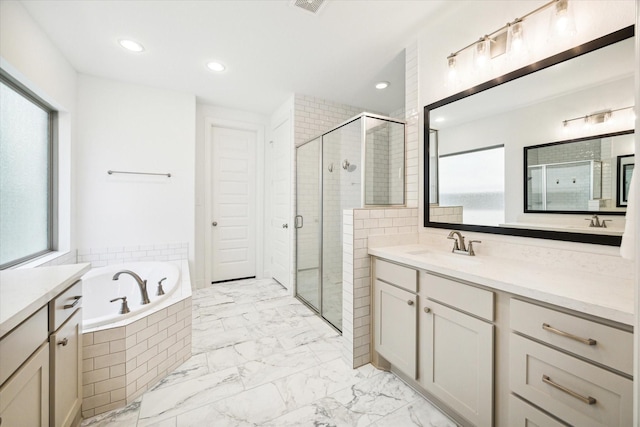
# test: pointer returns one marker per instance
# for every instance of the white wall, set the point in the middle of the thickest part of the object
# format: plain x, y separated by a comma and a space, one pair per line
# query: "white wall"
466, 21
204, 115
142, 129
29, 56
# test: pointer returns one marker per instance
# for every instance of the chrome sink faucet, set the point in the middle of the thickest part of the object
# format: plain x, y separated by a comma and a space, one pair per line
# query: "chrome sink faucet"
596, 222
459, 246
142, 284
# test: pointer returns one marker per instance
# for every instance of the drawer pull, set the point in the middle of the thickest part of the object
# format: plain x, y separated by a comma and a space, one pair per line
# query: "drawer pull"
586, 399
64, 342
410, 302
74, 303
427, 310
587, 341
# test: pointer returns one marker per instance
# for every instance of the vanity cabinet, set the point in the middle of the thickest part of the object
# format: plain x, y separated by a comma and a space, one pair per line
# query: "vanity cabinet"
396, 315
457, 345
40, 365
575, 369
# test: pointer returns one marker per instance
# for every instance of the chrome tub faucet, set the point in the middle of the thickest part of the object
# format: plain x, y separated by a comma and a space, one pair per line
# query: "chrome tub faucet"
142, 284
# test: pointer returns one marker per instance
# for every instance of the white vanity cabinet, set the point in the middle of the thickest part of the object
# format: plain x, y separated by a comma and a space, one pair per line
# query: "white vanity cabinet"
457, 345
40, 349
577, 370
395, 326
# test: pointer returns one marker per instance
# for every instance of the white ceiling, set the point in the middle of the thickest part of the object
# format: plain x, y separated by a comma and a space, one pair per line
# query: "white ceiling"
271, 49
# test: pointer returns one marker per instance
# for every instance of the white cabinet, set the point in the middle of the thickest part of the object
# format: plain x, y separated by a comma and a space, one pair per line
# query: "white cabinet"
396, 326
24, 397
456, 359
66, 375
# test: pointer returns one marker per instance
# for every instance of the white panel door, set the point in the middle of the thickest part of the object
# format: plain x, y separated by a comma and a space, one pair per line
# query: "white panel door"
280, 157
233, 203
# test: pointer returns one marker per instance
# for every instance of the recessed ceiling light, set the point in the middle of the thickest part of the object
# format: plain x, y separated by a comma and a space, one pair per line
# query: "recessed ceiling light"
439, 119
131, 45
216, 66
382, 85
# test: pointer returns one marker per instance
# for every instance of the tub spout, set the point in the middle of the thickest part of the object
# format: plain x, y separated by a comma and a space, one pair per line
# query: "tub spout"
142, 284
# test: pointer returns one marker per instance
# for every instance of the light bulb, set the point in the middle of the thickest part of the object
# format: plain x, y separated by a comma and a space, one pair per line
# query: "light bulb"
482, 51
515, 36
562, 19
453, 69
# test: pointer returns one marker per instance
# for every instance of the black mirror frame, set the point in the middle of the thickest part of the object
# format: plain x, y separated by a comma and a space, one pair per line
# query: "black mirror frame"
591, 46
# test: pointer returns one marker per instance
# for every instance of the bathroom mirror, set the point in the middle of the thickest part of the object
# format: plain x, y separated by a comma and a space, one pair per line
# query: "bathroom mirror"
582, 94
577, 176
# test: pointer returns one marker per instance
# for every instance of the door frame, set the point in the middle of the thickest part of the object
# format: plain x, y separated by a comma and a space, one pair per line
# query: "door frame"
211, 122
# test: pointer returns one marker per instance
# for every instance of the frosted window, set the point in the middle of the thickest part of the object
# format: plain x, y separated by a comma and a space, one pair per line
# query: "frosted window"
460, 185
24, 177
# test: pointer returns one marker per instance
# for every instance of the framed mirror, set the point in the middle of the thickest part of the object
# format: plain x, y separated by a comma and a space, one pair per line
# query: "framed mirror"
624, 171
564, 101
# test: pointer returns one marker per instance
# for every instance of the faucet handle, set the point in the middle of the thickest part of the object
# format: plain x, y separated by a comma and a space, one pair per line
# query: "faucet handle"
456, 247
160, 290
124, 308
591, 224
603, 223
470, 246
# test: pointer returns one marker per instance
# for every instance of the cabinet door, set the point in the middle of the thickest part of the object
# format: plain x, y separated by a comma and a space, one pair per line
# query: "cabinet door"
66, 364
456, 358
395, 326
24, 398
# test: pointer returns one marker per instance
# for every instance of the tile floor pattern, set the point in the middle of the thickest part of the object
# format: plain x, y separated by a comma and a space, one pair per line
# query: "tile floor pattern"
262, 358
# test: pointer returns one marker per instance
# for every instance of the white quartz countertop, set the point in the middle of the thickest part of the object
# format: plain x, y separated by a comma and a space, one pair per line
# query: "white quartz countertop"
595, 294
24, 291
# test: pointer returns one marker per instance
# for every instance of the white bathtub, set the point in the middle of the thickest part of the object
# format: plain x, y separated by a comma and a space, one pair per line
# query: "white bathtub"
99, 288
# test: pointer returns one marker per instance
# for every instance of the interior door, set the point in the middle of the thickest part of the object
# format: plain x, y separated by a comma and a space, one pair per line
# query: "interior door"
307, 222
280, 154
233, 203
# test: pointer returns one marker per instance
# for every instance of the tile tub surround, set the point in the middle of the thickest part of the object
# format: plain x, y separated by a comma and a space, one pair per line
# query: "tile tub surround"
358, 225
263, 358
99, 257
128, 357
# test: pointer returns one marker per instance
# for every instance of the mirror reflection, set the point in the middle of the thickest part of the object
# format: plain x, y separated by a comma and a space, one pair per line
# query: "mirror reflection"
571, 120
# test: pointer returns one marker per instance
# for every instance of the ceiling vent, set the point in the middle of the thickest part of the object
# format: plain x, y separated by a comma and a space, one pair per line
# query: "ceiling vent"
312, 6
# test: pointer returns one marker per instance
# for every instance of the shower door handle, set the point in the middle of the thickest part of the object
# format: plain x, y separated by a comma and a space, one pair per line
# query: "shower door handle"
301, 223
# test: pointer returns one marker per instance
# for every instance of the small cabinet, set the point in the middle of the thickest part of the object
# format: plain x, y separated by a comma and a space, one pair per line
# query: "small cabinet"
66, 365
24, 398
456, 359
396, 326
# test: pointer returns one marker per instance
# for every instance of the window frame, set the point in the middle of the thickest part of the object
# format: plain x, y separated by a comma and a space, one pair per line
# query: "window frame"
52, 205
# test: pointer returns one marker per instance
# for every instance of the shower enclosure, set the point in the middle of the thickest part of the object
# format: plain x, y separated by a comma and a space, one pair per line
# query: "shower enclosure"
357, 164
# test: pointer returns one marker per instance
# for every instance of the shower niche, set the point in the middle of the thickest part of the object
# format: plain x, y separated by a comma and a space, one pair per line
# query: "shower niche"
357, 164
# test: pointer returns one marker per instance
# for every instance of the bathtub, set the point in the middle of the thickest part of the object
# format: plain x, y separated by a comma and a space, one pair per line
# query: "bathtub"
126, 354
99, 288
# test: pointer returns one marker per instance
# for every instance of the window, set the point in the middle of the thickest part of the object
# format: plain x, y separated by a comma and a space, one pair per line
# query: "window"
482, 199
26, 166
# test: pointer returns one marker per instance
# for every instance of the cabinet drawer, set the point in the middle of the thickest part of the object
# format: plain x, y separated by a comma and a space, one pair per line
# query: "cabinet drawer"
603, 344
398, 275
64, 305
476, 301
19, 344
521, 414
561, 385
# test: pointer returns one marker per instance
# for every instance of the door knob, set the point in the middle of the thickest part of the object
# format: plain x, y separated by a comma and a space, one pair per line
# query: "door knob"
427, 310
285, 225
214, 223
64, 342
409, 302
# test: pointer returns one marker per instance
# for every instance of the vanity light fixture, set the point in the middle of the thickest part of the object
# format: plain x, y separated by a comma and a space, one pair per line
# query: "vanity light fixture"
131, 45
597, 117
216, 66
510, 37
382, 85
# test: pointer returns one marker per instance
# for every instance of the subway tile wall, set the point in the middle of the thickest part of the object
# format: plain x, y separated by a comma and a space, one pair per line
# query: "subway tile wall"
412, 118
358, 225
119, 364
100, 257
450, 214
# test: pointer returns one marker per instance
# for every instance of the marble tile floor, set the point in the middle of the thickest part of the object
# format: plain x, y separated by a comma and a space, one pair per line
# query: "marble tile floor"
262, 358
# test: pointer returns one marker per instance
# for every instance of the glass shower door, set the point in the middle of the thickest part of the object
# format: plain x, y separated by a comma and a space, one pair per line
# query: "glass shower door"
307, 223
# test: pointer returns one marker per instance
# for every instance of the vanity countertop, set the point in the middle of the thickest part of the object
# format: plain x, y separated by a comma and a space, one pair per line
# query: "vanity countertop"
24, 291
594, 294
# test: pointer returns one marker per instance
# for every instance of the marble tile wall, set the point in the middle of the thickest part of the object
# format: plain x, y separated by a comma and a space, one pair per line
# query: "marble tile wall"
120, 364
358, 225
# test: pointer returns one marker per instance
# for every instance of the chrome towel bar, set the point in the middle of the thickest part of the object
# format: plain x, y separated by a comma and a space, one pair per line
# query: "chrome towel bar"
168, 175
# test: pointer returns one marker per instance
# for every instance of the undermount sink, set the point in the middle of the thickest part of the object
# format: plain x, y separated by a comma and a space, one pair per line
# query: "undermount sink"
447, 258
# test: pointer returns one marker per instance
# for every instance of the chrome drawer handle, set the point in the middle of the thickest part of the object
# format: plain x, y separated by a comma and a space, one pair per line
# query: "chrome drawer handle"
586, 399
587, 341
64, 342
77, 300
